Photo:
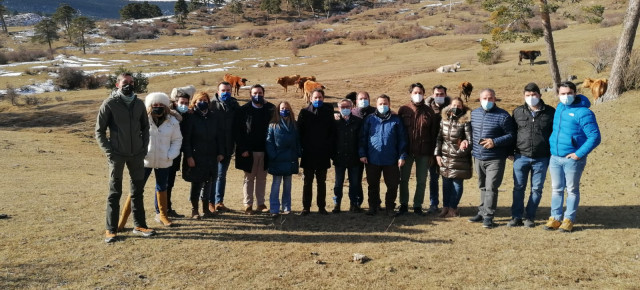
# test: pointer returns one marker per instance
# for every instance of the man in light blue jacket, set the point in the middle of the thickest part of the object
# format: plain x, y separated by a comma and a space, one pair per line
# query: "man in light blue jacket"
575, 134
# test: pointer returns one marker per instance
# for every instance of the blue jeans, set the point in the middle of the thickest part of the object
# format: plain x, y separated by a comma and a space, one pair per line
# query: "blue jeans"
452, 192
434, 174
221, 181
162, 181
565, 174
355, 185
522, 166
274, 197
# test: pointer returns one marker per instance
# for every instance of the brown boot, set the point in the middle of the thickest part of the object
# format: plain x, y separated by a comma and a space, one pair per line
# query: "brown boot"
262, 208
248, 209
194, 210
212, 207
124, 215
444, 212
453, 212
162, 208
220, 207
206, 213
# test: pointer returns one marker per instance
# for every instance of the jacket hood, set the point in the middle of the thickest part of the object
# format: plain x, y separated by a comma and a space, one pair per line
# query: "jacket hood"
462, 119
584, 102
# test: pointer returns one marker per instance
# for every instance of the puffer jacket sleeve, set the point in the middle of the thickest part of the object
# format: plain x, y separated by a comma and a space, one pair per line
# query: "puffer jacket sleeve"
508, 138
592, 131
176, 139
439, 140
469, 135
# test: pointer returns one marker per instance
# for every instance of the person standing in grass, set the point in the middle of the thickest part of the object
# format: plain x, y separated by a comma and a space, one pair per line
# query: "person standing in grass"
317, 130
347, 159
421, 125
453, 154
283, 150
251, 125
534, 123
575, 134
383, 145
493, 137
125, 117
437, 101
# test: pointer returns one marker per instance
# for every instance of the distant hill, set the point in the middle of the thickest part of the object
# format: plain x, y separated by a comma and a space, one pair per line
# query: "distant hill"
99, 9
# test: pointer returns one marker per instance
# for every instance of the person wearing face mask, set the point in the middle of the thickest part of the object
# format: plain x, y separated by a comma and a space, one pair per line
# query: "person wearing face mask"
422, 129
165, 140
203, 146
437, 101
453, 154
251, 125
283, 151
125, 116
225, 107
493, 137
575, 134
347, 159
383, 146
361, 108
317, 136
534, 123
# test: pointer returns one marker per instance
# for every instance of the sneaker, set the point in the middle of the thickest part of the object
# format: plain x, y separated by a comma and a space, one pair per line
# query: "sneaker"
172, 213
286, 212
372, 211
475, 219
418, 211
110, 237
529, 223
487, 223
432, 209
145, 232
304, 212
552, 224
322, 211
566, 226
515, 222
402, 210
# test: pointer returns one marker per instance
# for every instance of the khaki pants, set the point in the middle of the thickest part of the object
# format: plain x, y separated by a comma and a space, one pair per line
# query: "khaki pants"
256, 179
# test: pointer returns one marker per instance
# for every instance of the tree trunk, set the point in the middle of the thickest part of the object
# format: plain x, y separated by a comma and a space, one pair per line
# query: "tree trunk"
551, 49
4, 24
625, 45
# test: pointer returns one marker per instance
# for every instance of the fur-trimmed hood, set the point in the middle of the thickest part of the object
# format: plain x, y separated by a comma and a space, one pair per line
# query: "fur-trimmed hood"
157, 98
462, 119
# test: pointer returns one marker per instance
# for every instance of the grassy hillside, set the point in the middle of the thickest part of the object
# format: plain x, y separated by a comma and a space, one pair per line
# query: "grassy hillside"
54, 181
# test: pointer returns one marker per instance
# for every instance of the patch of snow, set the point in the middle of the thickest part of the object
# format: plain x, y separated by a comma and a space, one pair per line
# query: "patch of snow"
175, 51
11, 74
25, 19
38, 88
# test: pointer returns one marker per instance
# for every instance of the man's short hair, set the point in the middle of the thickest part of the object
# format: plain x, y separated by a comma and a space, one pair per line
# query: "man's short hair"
568, 84
123, 75
257, 86
532, 87
416, 85
440, 87
346, 100
385, 97
319, 90
493, 93
224, 83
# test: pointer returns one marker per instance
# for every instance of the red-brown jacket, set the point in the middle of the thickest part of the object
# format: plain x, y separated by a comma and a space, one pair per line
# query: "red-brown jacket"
421, 125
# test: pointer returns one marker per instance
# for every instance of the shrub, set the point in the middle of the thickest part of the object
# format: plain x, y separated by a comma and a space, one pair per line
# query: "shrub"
490, 53
132, 32
25, 55
35, 101
3, 58
254, 33
69, 78
92, 82
612, 19
471, 28
593, 14
140, 81
359, 36
12, 95
220, 46
603, 52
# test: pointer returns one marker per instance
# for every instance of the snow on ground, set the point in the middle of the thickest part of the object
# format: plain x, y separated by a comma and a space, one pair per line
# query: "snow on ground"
188, 51
37, 88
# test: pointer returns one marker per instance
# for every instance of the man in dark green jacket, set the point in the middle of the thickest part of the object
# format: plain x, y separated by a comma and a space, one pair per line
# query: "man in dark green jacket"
125, 116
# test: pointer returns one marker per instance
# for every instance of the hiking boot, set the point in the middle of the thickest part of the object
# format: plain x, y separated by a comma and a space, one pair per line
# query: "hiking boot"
476, 219
418, 211
357, 209
487, 223
248, 209
262, 208
174, 214
336, 209
110, 237
391, 212
566, 226
322, 211
432, 209
145, 232
529, 223
372, 211
220, 207
444, 212
453, 212
304, 212
402, 210
552, 224
515, 222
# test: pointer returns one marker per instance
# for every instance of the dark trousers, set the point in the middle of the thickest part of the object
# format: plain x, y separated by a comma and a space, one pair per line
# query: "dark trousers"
391, 175
490, 173
307, 188
171, 180
135, 165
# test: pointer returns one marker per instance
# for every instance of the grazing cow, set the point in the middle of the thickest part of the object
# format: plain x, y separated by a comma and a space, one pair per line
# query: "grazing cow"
287, 81
449, 68
236, 82
309, 86
598, 86
301, 80
530, 55
465, 90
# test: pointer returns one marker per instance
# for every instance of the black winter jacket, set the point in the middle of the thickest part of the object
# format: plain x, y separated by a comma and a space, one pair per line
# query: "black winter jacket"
533, 130
202, 141
347, 142
317, 130
250, 131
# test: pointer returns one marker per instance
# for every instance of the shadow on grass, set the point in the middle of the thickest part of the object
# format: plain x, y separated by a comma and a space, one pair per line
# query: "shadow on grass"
40, 119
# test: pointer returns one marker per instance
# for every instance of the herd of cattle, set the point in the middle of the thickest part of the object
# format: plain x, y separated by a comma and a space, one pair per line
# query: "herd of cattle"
308, 83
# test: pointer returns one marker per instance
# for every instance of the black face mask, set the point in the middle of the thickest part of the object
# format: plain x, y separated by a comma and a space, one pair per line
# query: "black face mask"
158, 110
127, 90
202, 106
456, 111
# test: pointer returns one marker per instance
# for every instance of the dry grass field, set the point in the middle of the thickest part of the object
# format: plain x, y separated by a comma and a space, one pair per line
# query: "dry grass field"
54, 181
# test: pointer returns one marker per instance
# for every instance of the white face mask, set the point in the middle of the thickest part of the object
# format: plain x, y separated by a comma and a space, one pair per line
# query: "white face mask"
417, 98
566, 99
439, 100
486, 105
532, 101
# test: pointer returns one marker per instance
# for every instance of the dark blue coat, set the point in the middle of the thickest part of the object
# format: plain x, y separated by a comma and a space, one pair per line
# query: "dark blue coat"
283, 149
494, 124
383, 140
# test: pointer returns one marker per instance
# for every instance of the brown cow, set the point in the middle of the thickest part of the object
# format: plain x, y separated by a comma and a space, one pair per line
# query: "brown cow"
309, 86
598, 86
236, 82
287, 81
465, 90
301, 80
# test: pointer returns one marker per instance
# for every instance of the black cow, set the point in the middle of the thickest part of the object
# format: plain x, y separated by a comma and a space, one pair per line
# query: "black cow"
530, 55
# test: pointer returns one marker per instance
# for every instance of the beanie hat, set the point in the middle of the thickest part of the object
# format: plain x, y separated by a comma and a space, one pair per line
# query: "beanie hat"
188, 90
156, 98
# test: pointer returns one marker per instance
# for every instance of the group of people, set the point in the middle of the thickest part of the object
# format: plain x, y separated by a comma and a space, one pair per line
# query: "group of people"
199, 134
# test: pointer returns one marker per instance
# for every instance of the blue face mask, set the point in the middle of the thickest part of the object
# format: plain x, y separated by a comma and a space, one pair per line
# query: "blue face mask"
317, 103
486, 105
284, 113
203, 106
383, 109
225, 96
182, 108
345, 112
363, 103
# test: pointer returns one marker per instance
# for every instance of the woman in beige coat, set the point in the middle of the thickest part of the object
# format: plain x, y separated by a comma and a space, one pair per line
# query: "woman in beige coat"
453, 154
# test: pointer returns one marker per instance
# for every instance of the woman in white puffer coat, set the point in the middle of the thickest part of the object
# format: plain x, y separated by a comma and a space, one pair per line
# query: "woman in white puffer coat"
165, 141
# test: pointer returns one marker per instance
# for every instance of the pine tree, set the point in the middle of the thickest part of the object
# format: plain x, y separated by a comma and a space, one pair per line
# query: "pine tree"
80, 26
46, 31
63, 16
